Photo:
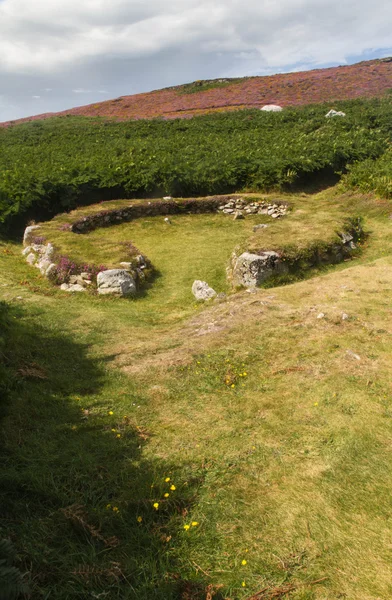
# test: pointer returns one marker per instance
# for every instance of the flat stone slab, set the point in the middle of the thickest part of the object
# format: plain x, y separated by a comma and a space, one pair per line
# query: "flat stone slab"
72, 287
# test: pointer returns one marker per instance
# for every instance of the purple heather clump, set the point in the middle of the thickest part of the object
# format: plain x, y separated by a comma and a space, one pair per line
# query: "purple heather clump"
67, 267
39, 240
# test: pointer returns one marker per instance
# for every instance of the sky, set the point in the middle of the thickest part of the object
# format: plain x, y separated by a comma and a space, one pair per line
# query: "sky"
57, 54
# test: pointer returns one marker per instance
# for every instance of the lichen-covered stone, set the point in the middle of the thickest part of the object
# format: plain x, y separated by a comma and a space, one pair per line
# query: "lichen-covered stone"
117, 282
51, 272
251, 270
202, 291
29, 234
31, 258
72, 287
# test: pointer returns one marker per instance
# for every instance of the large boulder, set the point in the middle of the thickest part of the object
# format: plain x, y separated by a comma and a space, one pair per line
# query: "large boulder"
29, 234
202, 291
117, 282
251, 270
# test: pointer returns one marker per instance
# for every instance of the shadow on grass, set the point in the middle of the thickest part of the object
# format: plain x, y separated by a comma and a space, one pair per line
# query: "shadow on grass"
76, 494
313, 182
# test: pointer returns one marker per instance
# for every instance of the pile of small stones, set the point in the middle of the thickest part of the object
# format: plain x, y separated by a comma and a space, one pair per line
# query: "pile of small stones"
77, 283
238, 208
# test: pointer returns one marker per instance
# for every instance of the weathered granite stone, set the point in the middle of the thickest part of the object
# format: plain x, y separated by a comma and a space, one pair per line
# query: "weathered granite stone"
117, 282
31, 258
250, 270
43, 265
260, 226
69, 287
29, 234
51, 272
202, 291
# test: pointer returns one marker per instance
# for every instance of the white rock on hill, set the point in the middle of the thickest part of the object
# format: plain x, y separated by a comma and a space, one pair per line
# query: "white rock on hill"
117, 282
202, 291
335, 113
272, 108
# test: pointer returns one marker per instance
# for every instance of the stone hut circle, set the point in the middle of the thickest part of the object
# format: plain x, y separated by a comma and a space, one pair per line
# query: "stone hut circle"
249, 269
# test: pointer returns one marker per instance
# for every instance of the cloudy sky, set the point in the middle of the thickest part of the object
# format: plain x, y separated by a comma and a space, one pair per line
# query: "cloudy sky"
56, 54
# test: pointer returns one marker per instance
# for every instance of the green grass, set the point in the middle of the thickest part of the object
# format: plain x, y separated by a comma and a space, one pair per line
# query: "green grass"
288, 470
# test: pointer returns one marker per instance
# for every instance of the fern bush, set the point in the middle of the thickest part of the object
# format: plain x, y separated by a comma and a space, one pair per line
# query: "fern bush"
12, 585
55, 165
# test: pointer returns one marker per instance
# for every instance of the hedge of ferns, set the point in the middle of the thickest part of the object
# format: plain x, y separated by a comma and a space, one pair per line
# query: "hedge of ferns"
52, 166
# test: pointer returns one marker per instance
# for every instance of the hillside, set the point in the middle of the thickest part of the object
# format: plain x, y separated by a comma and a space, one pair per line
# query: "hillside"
158, 447
362, 80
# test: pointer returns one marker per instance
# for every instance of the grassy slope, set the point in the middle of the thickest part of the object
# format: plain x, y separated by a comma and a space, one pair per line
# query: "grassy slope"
366, 79
288, 470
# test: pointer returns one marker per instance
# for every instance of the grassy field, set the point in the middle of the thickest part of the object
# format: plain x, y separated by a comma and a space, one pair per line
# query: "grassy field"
273, 426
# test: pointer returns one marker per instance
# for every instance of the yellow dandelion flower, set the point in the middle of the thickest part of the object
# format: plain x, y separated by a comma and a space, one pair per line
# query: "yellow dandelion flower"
108, 506
186, 527
315, 404
245, 374
233, 385
243, 584
118, 435
244, 562
172, 487
156, 505
110, 413
195, 523
115, 509
167, 479
139, 519
166, 495
114, 430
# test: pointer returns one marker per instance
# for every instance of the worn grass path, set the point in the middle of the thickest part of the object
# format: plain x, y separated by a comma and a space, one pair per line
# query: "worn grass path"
273, 426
